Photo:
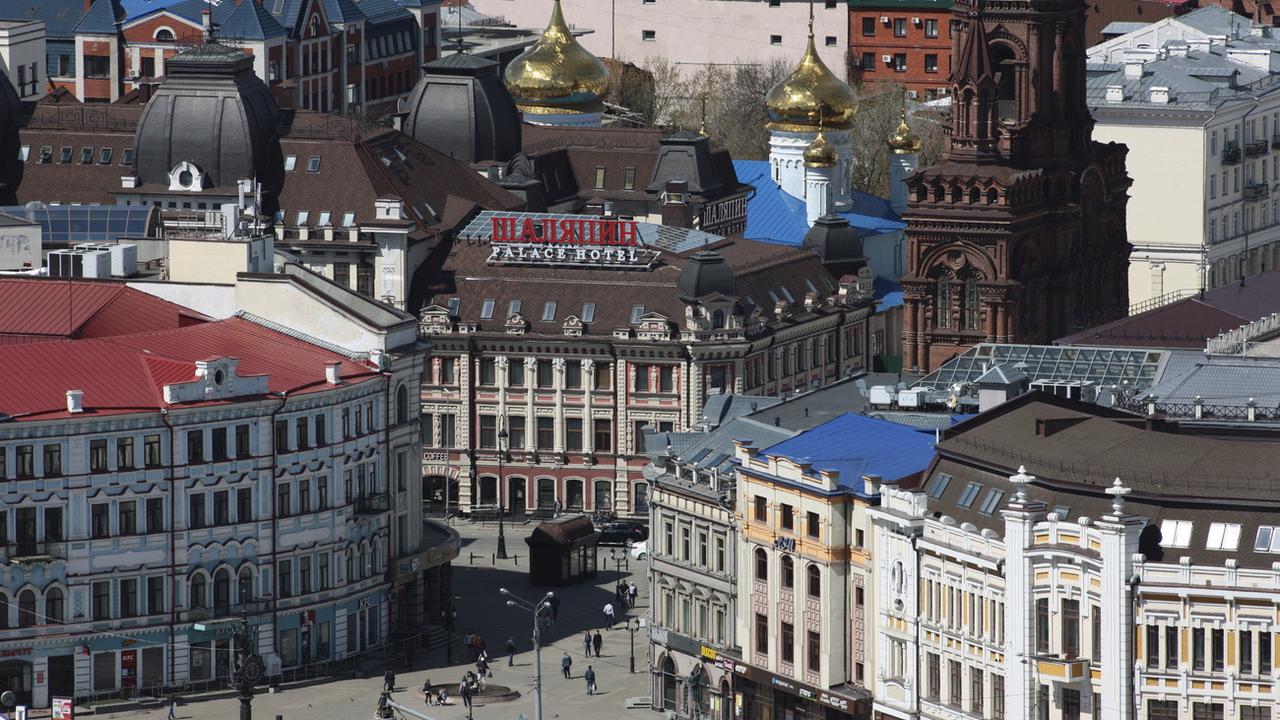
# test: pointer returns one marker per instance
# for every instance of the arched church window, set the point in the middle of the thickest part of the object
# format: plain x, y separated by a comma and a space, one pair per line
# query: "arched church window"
975, 195
993, 196
942, 303
1002, 56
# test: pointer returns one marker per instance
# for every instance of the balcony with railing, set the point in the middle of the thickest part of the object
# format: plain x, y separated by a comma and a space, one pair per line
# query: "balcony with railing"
1256, 148
1230, 153
374, 504
32, 551
1256, 191
228, 610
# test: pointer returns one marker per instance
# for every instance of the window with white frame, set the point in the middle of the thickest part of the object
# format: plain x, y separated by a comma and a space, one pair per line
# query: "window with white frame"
1223, 536
1175, 533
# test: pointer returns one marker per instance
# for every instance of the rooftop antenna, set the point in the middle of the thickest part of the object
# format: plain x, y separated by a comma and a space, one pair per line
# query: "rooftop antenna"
458, 8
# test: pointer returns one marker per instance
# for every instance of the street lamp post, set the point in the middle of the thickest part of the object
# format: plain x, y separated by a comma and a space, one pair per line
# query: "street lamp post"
502, 480
543, 604
447, 617
632, 629
249, 666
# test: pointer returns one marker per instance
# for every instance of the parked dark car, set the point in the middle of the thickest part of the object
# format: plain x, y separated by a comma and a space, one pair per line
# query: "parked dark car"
623, 533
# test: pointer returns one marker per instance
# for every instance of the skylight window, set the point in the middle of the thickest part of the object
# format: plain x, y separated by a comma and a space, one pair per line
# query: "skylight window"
938, 485
313, 163
809, 284
86, 156
549, 311
1175, 533
486, 309
24, 152
64, 156
787, 294
1063, 511
969, 494
1223, 536
991, 501
773, 296
126, 156
1268, 539
303, 216
290, 162
455, 304
513, 307
324, 218
104, 158
636, 312
348, 219
588, 312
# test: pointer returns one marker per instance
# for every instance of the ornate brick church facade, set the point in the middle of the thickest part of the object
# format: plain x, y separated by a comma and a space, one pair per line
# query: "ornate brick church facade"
1017, 234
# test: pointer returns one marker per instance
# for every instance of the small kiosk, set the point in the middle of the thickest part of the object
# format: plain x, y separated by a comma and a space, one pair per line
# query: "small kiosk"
562, 551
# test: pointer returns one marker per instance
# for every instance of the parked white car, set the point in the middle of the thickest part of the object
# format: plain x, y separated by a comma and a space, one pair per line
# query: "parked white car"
640, 550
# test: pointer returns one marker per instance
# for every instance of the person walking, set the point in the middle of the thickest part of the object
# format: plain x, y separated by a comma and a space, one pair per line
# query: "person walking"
586, 643
511, 651
428, 691
590, 676
632, 592
597, 642
482, 671
173, 707
566, 663
389, 680
608, 615
465, 691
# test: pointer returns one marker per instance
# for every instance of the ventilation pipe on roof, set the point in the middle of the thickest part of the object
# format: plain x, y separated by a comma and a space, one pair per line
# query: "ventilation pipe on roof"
378, 359
75, 401
331, 374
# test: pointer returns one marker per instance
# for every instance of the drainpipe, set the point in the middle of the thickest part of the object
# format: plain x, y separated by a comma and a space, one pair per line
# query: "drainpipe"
389, 573
173, 565
915, 660
275, 520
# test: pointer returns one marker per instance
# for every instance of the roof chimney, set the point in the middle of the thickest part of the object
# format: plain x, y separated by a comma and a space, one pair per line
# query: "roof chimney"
331, 374
206, 21
75, 401
1133, 69
378, 359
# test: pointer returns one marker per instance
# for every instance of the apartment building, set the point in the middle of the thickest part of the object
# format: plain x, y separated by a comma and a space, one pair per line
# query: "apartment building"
906, 42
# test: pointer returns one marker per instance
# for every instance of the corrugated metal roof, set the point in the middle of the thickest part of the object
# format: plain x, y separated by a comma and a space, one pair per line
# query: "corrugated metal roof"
52, 308
774, 216
854, 446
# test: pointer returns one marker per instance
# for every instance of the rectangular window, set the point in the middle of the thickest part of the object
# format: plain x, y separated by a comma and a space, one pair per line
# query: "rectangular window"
761, 506
648, 35
969, 494
304, 496
868, 62
1042, 626
100, 520
128, 598
629, 179
930, 28
1170, 645
1153, 646
1206, 711
1265, 642
991, 501
195, 511
899, 62
1070, 704
1197, 649
954, 672
488, 372
219, 442
1095, 640
775, 39
868, 27
938, 485
543, 373
244, 505
515, 372
787, 643
603, 432
976, 691
933, 689
1217, 650
284, 578
284, 504
997, 697
1246, 652
1042, 702
899, 27
447, 371
102, 600
546, 433
448, 426
127, 517
573, 374
603, 380
642, 378
155, 515
811, 524
762, 633
573, 434
155, 595
1162, 710
515, 432
813, 642
931, 62
666, 379
124, 453
1071, 628
787, 517
599, 177
98, 456
282, 433
52, 460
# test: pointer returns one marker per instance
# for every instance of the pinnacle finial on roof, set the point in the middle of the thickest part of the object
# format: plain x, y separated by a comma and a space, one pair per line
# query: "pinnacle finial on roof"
1117, 491
1021, 479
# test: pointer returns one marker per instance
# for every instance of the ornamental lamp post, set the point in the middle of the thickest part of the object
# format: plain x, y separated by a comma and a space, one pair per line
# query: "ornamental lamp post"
543, 604
502, 480
249, 667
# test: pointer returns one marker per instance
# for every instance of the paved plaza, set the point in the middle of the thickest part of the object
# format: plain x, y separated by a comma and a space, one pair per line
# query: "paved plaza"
481, 608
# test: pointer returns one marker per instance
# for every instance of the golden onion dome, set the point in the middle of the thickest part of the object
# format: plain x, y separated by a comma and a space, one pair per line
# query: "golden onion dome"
904, 141
811, 97
556, 74
820, 153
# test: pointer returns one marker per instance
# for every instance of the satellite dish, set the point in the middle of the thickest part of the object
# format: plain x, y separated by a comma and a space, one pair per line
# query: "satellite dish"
8, 699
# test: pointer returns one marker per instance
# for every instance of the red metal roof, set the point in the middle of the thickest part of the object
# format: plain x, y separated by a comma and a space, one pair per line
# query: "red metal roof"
127, 373
33, 309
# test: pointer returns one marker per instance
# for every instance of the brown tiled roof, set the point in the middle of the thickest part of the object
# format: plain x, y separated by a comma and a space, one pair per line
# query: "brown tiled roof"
76, 126
461, 270
1187, 323
564, 530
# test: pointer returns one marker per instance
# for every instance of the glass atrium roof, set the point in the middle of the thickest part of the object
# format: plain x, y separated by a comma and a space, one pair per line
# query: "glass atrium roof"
1133, 369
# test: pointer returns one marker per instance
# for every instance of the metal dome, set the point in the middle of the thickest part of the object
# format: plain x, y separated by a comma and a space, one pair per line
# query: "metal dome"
461, 108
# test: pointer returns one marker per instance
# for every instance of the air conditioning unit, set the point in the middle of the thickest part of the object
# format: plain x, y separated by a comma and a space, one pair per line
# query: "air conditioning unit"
913, 94
884, 19
915, 21
80, 263
886, 59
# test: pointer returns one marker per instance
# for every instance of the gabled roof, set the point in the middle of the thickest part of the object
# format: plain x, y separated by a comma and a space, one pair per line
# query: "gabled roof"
251, 21
36, 309
858, 446
102, 18
776, 217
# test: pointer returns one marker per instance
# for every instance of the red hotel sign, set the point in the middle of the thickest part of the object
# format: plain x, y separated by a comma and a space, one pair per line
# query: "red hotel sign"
570, 240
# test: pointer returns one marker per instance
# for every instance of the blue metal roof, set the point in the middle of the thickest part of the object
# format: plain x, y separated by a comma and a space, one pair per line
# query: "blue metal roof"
101, 18
888, 293
776, 217
855, 446
59, 16
251, 21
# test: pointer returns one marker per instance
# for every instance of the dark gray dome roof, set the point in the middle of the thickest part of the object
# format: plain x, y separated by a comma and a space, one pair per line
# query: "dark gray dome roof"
213, 112
834, 240
462, 108
706, 273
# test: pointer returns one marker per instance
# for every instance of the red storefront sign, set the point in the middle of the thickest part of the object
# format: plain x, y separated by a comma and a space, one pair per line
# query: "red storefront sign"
566, 231
128, 668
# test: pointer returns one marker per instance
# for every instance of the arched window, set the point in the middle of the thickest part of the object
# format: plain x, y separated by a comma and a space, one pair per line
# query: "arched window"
222, 591
402, 404
788, 572
4, 610
199, 592
164, 35
957, 194
246, 585
762, 564
55, 606
814, 579
975, 195
942, 303
993, 196
26, 608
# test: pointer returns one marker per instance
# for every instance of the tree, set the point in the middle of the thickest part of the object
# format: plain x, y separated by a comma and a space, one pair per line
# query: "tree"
880, 109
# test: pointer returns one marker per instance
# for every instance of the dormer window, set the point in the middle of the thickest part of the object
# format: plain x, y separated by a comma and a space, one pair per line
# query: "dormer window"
186, 176
290, 162
313, 164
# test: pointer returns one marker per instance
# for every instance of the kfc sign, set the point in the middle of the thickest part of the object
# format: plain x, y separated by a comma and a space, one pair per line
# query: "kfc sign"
572, 241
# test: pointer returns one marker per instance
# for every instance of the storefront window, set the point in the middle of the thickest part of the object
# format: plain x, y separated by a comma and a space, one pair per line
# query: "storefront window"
289, 647
201, 660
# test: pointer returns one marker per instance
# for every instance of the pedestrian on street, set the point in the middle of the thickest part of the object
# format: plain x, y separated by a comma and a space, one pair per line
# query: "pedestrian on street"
428, 692
557, 510
443, 697
173, 707
465, 691
586, 643
482, 671
511, 651
389, 680
608, 615
590, 676
596, 642
633, 591
566, 663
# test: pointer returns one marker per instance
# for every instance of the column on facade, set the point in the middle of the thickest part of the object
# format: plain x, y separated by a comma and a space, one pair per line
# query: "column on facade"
909, 330
1120, 531
922, 358
1020, 516
558, 382
588, 429
500, 364
990, 322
